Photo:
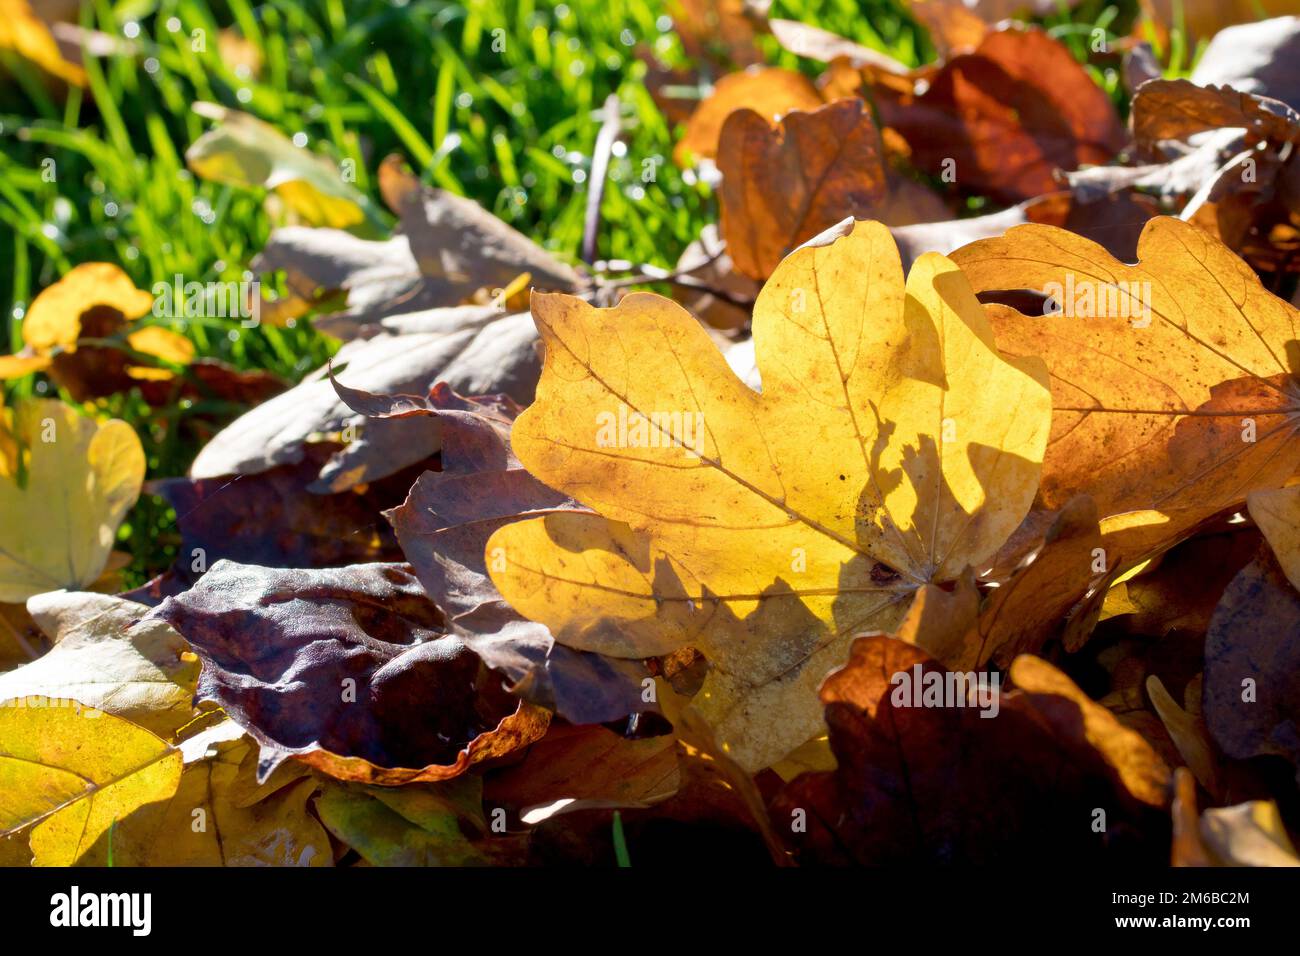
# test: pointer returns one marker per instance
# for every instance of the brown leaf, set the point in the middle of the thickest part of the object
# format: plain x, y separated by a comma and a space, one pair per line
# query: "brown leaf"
1179, 109
587, 763
478, 351
768, 91
1008, 115
349, 671
443, 527
784, 184
447, 248
945, 784
271, 519
1252, 665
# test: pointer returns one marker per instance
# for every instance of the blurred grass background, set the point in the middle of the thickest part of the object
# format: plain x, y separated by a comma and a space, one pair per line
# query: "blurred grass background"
491, 99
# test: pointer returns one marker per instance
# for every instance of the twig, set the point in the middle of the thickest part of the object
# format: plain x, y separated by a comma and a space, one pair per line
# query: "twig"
609, 129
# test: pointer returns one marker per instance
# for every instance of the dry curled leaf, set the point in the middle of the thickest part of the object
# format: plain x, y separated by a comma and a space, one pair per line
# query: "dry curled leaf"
349, 671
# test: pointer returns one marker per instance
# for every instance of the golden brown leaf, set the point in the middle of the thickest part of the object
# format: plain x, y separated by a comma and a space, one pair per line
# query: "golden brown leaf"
1172, 379
768, 91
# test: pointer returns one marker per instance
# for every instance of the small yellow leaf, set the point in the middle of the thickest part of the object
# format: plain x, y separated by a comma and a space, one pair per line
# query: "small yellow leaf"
55, 317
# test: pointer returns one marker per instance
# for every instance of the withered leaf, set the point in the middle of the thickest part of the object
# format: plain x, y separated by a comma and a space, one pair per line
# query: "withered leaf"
479, 353
347, 670
948, 785
783, 185
1252, 665
443, 527
271, 519
1172, 379
1004, 117
447, 248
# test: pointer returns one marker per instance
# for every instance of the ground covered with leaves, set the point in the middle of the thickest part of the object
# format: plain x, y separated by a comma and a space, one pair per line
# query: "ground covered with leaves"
602, 434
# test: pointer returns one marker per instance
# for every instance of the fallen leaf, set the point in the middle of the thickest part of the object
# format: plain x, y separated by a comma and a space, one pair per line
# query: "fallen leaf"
271, 519
1189, 735
447, 249
768, 91
1277, 512
476, 354
1171, 379
1252, 676
242, 150
587, 763
444, 525
784, 184
407, 827
755, 537
68, 771
1248, 834
1075, 717
210, 821
948, 784
85, 331
348, 671
1004, 118
105, 657
60, 509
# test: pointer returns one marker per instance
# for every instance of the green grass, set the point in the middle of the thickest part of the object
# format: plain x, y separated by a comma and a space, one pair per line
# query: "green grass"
491, 99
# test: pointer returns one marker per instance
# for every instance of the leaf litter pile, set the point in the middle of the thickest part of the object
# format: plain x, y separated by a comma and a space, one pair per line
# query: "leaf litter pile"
877, 534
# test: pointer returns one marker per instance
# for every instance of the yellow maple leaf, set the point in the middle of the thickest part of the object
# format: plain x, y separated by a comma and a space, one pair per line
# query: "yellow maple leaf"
891, 446
64, 490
